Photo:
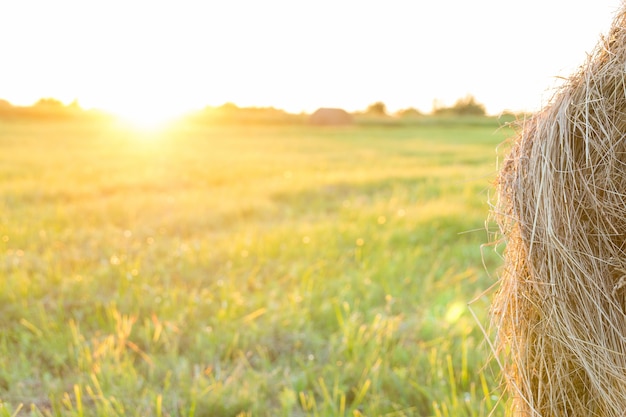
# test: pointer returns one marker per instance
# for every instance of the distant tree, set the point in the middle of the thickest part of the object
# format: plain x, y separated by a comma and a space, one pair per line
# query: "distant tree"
5, 106
49, 103
408, 113
437, 106
229, 107
469, 106
466, 106
6, 109
48, 109
53, 109
377, 108
75, 105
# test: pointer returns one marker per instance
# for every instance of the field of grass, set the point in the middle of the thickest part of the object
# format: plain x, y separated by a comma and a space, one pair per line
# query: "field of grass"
241, 271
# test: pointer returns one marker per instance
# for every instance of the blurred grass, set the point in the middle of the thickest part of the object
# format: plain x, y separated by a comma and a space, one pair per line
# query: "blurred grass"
245, 271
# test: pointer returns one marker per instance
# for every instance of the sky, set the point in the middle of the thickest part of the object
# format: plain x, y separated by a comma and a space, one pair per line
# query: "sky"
161, 58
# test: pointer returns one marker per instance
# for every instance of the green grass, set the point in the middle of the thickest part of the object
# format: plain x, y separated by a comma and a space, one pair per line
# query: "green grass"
286, 271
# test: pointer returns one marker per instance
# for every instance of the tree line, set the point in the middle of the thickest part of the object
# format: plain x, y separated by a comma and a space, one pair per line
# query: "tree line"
465, 106
49, 109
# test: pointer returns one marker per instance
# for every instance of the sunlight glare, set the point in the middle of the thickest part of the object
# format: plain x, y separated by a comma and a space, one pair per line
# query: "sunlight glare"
146, 118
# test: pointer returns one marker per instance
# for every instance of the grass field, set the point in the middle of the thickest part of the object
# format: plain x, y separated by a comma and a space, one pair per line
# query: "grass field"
272, 271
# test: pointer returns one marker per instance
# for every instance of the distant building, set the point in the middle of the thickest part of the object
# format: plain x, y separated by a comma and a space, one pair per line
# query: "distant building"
330, 117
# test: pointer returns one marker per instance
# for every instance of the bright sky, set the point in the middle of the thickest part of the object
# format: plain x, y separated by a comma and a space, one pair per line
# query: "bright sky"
163, 57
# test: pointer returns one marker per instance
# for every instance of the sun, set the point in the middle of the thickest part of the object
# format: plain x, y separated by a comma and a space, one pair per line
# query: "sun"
147, 118
145, 113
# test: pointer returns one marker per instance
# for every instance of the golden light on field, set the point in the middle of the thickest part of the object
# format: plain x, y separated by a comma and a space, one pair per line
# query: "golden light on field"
150, 61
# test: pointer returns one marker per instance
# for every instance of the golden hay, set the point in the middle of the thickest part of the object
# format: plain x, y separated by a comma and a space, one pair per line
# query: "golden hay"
560, 311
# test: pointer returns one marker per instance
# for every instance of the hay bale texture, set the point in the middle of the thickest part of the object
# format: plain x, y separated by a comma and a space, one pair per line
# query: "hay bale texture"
560, 310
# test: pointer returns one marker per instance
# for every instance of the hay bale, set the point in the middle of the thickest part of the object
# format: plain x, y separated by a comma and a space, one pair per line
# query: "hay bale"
330, 117
560, 310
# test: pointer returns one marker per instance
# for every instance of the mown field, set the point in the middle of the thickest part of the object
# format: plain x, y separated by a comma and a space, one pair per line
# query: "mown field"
241, 271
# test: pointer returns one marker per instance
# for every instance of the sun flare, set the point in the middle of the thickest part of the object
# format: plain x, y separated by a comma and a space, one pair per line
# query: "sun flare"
147, 112
145, 118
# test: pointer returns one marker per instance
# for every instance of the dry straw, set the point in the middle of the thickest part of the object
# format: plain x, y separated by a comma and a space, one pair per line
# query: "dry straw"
560, 311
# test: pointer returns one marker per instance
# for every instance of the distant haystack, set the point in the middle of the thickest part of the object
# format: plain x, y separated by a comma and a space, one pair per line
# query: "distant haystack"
330, 117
